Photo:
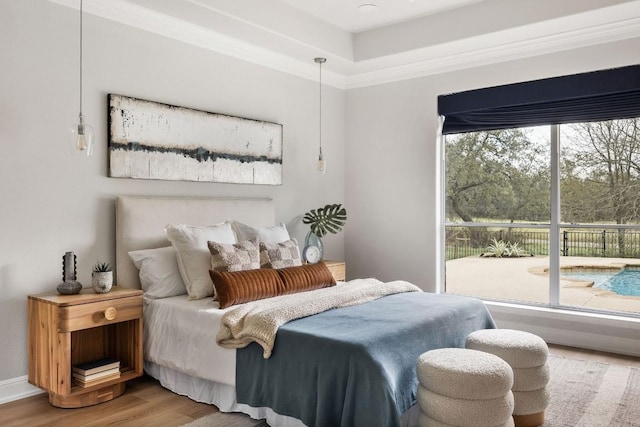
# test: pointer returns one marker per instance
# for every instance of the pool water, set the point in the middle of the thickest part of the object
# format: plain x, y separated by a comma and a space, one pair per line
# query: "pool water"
624, 282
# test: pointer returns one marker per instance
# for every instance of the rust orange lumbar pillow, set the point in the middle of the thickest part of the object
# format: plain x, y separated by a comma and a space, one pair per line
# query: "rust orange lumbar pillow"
306, 277
237, 287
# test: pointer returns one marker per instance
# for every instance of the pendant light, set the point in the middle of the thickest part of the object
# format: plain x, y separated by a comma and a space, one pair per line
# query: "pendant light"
322, 164
82, 133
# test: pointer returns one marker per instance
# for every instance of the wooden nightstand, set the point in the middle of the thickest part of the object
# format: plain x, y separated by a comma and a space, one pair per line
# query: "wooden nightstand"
338, 269
65, 330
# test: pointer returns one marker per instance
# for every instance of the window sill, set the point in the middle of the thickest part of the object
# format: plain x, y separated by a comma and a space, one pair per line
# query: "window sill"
595, 331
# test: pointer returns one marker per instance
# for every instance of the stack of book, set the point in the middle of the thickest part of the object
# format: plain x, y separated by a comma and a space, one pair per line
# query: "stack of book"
96, 372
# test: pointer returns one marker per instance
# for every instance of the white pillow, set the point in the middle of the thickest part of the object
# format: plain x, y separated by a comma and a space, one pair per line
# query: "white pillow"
192, 253
159, 274
266, 233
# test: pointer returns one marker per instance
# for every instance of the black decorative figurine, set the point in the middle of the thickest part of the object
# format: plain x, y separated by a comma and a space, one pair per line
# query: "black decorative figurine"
69, 285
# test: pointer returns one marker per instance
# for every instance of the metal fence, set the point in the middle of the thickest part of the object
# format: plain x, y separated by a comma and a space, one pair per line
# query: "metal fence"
605, 244
466, 241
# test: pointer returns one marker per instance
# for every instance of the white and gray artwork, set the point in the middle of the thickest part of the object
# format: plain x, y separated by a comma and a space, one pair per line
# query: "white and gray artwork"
149, 140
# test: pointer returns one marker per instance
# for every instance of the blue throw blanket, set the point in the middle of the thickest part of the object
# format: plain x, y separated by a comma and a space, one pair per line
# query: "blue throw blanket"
355, 366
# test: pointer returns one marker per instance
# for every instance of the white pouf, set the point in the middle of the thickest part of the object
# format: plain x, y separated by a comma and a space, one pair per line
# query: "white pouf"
518, 348
529, 379
530, 402
527, 355
458, 372
466, 412
465, 388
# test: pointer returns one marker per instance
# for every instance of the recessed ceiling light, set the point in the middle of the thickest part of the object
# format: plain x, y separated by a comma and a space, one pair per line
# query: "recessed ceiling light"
367, 8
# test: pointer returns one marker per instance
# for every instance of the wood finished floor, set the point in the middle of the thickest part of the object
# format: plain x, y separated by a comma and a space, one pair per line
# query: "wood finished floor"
146, 403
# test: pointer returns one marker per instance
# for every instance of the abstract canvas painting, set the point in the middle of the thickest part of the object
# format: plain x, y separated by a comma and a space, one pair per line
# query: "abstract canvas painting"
150, 140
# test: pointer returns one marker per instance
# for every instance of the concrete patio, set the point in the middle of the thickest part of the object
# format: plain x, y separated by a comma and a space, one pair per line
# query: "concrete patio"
525, 279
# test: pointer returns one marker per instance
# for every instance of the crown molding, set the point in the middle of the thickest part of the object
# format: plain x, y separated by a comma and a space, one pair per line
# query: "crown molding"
601, 26
491, 49
146, 19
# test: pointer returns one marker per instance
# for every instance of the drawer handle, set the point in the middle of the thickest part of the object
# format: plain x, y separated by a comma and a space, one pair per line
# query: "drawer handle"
110, 313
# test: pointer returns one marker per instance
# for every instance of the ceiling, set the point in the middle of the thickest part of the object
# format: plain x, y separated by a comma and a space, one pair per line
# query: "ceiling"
401, 39
348, 15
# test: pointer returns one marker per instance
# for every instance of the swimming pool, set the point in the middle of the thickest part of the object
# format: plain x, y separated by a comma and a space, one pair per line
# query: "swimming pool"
622, 282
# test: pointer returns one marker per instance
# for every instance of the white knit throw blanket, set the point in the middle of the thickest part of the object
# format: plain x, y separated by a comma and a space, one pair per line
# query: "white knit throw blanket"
259, 320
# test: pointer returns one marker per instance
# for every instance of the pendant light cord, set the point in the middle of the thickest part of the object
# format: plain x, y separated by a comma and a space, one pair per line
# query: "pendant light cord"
83, 133
320, 61
321, 162
81, 59
320, 97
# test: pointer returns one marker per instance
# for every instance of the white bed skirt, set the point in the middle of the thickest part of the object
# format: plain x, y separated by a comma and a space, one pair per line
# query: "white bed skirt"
223, 396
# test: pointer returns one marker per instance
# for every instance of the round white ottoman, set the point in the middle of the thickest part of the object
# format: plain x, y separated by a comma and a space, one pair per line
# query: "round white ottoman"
464, 388
527, 354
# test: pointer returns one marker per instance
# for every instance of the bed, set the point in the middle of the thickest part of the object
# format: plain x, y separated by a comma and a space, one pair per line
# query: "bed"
322, 371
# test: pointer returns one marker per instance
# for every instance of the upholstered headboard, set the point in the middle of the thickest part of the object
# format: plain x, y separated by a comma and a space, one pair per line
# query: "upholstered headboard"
140, 223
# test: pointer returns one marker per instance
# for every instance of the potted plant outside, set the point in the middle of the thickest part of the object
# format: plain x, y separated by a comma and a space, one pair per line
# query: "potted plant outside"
101, 277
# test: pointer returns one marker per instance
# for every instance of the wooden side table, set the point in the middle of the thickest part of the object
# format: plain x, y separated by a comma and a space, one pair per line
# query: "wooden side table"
338, 269
65, 330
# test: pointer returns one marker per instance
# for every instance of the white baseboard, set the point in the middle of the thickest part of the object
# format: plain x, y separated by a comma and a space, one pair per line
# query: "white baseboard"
17, 388
612, 334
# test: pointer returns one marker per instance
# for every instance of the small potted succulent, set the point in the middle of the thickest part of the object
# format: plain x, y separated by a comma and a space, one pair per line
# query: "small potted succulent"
101, 277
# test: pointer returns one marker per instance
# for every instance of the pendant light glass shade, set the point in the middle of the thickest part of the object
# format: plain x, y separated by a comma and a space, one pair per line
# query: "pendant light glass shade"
322, 163
82, 133
83, 136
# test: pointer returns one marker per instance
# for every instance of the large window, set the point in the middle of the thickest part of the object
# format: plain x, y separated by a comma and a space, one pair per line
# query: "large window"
545, 215
540, 191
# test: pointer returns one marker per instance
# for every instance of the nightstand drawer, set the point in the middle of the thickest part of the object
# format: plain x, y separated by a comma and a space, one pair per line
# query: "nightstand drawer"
90, 315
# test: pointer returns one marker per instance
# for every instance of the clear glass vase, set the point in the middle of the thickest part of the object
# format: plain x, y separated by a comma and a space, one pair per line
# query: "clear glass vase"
313, 239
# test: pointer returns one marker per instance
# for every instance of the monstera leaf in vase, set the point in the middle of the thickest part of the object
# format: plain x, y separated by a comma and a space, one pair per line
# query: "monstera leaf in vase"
328, 219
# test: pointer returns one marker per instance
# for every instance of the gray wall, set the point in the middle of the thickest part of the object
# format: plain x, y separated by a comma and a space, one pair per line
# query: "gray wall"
54, 200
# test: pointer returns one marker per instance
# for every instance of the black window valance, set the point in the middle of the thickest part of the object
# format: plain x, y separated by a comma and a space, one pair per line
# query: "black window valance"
595, 96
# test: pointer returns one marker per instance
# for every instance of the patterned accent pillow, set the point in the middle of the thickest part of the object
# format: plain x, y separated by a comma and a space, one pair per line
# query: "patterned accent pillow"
239, 256
280, 255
